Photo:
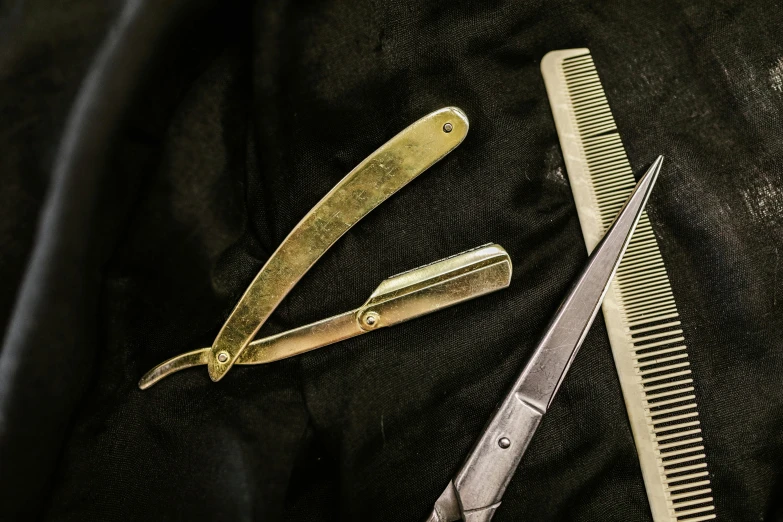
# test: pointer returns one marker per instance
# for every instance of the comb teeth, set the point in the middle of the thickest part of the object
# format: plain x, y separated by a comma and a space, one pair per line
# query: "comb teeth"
641, 314
610, 172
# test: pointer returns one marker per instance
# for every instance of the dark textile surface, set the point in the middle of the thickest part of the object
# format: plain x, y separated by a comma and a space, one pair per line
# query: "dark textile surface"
154, 154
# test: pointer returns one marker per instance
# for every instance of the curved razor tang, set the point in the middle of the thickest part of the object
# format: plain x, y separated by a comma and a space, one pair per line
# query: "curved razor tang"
405, 296
383, 173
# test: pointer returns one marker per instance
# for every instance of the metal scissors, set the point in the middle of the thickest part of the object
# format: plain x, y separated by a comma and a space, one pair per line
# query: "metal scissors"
475, 493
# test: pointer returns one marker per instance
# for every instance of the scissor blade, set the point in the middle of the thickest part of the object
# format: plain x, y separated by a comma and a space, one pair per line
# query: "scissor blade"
555, 352
480, 484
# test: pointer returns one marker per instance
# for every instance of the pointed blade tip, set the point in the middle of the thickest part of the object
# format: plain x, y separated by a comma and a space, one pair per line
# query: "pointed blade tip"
655, 168
650, 177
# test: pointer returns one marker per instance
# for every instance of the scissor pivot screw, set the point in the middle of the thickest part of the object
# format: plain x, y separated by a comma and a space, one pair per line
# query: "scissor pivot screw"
448, 127
504, 442
222, 357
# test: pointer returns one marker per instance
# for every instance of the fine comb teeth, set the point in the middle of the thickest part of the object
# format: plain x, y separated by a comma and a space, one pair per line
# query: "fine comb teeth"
641, 315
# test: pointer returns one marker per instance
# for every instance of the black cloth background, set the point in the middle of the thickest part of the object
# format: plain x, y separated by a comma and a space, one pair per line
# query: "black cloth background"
154, 153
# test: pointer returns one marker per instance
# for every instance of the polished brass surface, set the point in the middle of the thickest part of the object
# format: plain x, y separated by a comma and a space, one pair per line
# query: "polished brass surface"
383, 173
405, 296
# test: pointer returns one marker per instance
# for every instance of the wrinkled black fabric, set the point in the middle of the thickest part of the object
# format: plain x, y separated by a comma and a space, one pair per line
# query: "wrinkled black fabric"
154, 154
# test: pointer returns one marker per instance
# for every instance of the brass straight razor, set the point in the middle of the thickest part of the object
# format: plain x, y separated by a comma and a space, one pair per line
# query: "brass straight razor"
383, 173
397, 299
